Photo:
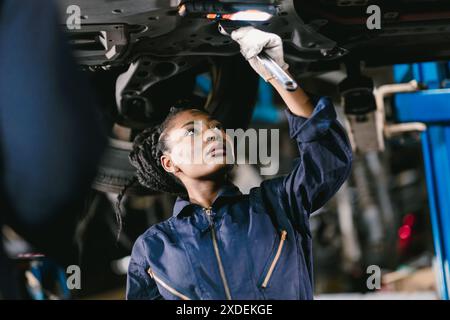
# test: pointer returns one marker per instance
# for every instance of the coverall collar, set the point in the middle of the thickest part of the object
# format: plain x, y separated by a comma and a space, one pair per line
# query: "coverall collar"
228, 190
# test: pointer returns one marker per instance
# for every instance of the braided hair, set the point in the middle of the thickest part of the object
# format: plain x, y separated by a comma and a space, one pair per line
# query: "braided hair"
145, 156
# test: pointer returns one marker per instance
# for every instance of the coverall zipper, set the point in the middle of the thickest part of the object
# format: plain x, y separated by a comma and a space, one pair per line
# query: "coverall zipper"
216, 250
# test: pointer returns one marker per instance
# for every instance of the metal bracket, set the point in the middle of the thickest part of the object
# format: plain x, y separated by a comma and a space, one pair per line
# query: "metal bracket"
97, 45
388, 90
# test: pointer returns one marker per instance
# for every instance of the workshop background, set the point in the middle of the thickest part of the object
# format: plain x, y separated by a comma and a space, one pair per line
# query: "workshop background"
391, 216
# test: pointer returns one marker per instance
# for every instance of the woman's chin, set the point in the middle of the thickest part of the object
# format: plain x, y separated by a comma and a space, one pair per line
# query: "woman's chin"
215, 171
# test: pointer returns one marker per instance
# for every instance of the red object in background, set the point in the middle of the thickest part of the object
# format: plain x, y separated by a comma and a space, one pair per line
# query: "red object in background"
405, 232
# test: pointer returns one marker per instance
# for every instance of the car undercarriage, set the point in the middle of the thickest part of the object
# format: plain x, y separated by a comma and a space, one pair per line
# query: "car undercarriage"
311, 30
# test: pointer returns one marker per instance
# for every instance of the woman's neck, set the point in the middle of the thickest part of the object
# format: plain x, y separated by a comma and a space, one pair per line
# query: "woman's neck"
203, 192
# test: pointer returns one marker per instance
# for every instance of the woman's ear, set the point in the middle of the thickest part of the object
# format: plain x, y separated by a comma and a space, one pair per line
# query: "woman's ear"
167, 163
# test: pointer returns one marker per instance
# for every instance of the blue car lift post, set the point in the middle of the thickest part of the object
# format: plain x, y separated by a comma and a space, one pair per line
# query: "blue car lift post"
432, 107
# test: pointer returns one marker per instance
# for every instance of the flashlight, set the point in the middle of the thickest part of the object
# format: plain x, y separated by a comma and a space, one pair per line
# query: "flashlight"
219, 11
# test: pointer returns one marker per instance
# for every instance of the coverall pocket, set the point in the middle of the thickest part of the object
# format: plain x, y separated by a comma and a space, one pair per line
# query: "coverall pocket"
165, 284
273, 260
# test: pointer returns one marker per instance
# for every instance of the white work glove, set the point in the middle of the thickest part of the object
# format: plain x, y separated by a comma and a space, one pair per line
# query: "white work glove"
252, 41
